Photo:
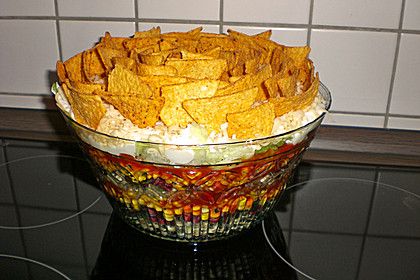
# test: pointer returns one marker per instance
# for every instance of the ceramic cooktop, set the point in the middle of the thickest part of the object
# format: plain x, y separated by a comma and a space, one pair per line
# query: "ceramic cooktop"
335, 221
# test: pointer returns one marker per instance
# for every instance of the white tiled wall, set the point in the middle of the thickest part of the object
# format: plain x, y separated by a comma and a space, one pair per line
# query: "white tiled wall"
367, 52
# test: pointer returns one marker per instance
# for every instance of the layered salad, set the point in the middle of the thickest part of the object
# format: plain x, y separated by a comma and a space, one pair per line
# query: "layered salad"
193, 135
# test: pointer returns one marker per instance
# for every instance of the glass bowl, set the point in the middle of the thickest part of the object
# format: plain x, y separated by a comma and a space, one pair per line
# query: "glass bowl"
195, 193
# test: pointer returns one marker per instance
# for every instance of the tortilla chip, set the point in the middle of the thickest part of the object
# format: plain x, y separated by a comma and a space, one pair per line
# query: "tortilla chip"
306, 75
283, 105
107, 54
207, 42
83, 88
67, 93
199, 68
192, 34
157, 70
142, 42
215, 53
272, 86
230, 58
113, 42
93, 67
243, 39
172, 112
156, 58
61, 71
277, 58
249, 81
252, 123
265, 34
281, 85
142, 112
185, 77
88, 109
74, 68
211, 112
251, 66
287, 84
125, 62
298, 54
153, 32
121, 80
192, 55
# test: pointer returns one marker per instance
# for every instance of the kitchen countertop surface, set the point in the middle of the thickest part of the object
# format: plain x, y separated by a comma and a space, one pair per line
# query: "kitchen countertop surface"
337, 219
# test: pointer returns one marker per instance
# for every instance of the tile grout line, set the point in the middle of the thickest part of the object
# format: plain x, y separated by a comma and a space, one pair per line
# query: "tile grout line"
356, 113
394, 66
136, 15
58, 32
374, 114
216, 22
311, 14
25, 94
221, 16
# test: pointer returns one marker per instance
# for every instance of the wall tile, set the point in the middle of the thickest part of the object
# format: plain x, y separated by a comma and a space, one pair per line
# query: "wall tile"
356, 66
171, 27
289, 36
27, 8
404, 123
412, 14
406, 94
179, 9
285, 36
354, 120
373, 13
77, 36
278, 11
28, 53
28, 102
96, 8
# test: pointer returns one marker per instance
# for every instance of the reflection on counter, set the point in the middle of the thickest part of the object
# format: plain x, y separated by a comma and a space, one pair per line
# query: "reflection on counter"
128, 254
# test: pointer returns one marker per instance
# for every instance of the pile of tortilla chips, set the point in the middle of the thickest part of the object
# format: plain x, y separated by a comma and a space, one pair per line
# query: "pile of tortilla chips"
180, 78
